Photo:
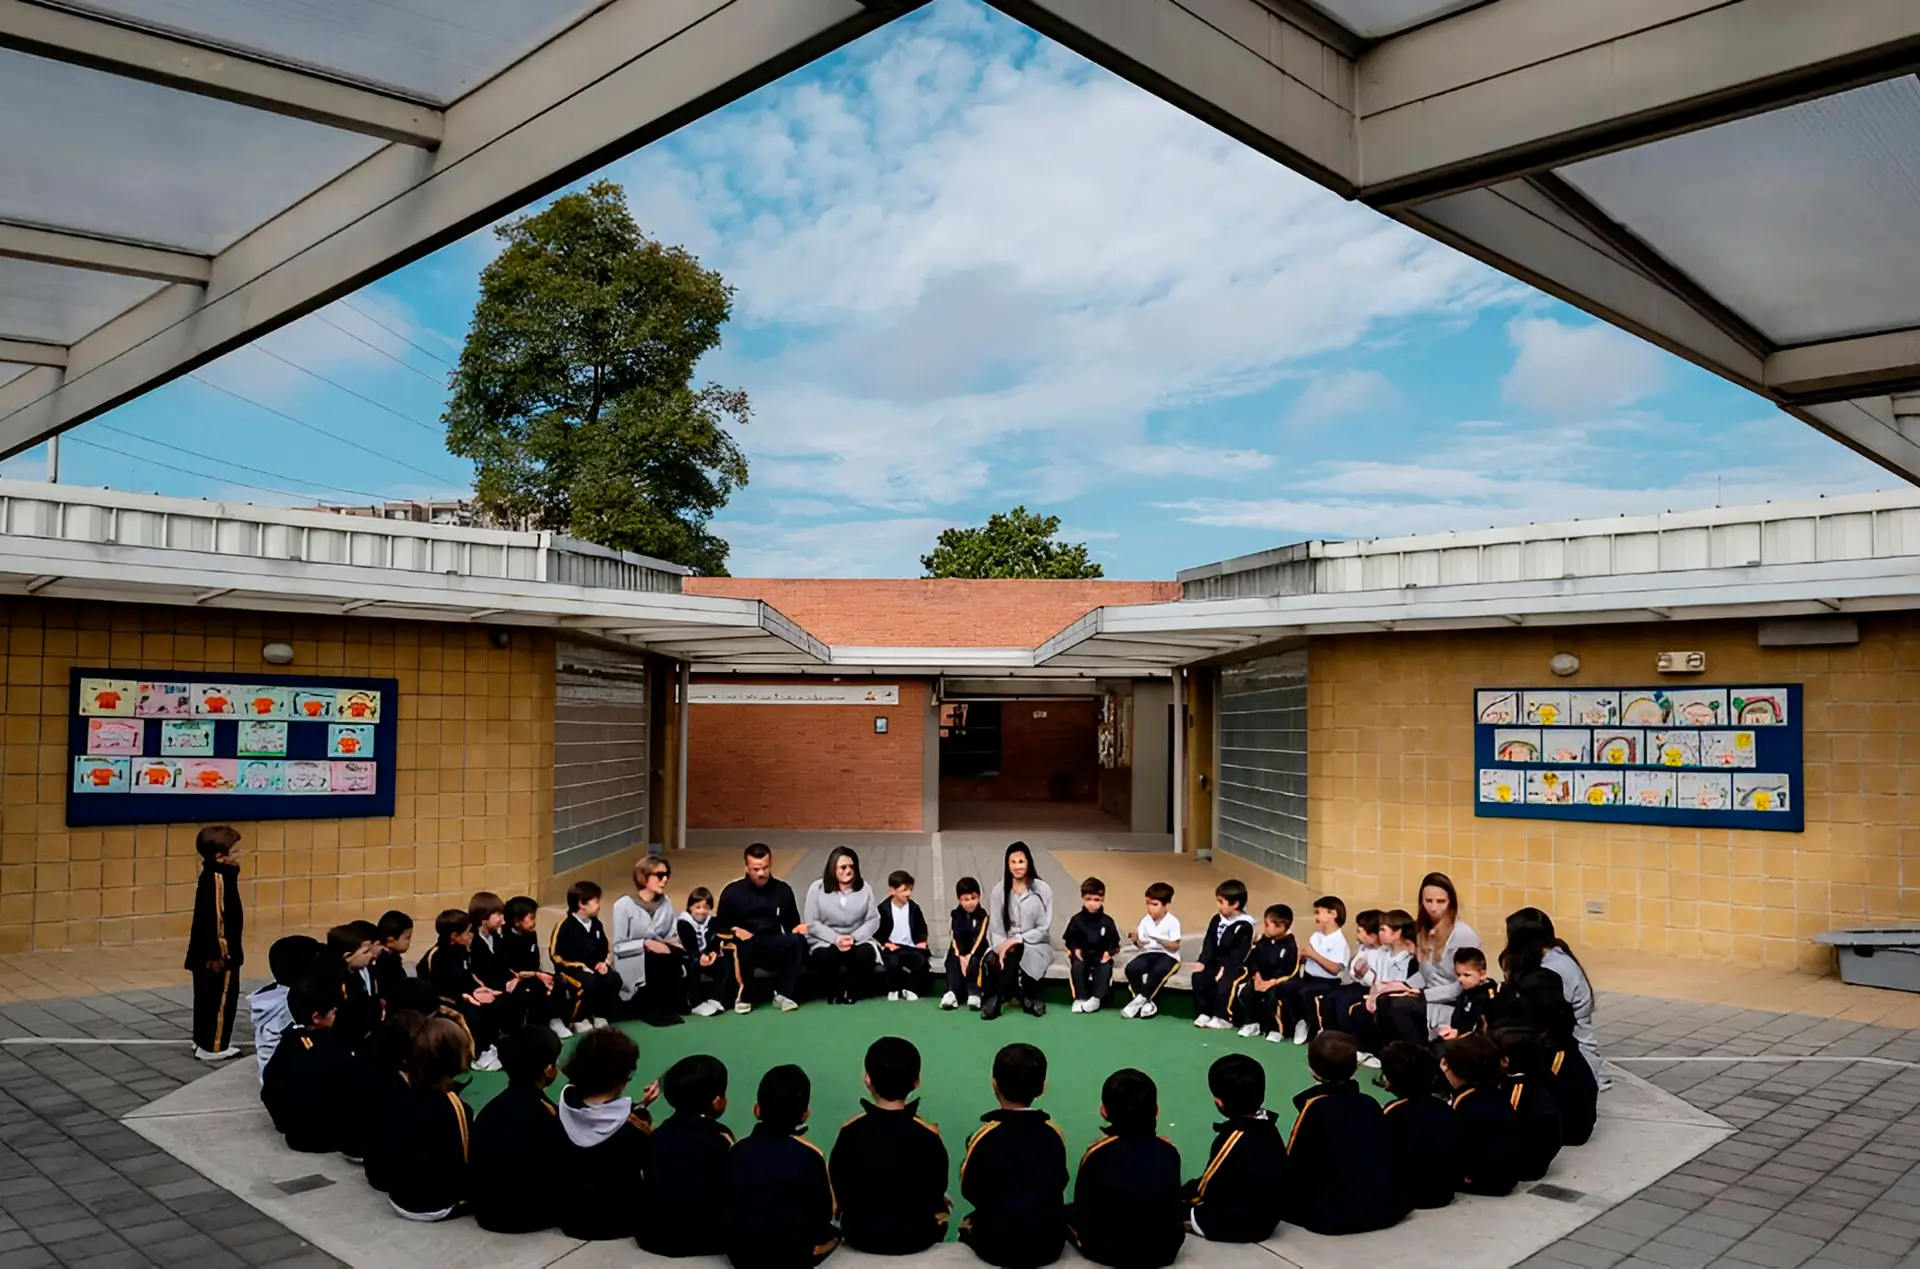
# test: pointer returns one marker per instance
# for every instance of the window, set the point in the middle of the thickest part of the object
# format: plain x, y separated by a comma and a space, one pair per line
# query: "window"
970, 739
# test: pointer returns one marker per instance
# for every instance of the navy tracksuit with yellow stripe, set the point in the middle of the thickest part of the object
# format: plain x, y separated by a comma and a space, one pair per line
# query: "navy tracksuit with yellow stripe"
889, 1171
577, 945
1015, 1175
1223, 965
214, 955
780, 1203
1128, 1209
1237, 1198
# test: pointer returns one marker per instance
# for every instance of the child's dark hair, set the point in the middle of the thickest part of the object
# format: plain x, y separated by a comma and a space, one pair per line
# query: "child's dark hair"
526, 1053
1093, 886
1334, 904
899, 877
784, 1093
893, 1068
441, 1054
1410, 1070
966, 886
451, 922
1471, 957
1522, 1046
1369, 920
603, 1062
1333, 1056
345, 940
483, 905
1474, 1059
1131, 1101
699, 894
1234, 892
215, 840
394, 1039
1280, 914
519, 908
694, 1083
392, 924
1020, 1073
416, 994
1160, 892
1401, 922
581, 892
1238, 1082
315, 995
293, 958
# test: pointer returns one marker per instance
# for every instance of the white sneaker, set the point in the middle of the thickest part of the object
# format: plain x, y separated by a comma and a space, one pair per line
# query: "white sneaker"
1202, 1021
973, 1002
1132, 1008
893, 995
706, 1009
1093, 1005
601, 1024
743, 1006
1275, 1037
1079, 1006
1148, 1009
1219, 1024
1369, 1061
1250, 1032
1300, 1032
488, 1061
581, 1028
207, 1055
949, 1001
784, 1005
908, 996
559, 1028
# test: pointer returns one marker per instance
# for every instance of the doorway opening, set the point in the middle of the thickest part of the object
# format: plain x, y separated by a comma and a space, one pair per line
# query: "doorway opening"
1028, 764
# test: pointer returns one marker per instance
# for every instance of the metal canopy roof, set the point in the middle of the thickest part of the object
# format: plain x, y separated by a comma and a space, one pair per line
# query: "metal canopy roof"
1737, 181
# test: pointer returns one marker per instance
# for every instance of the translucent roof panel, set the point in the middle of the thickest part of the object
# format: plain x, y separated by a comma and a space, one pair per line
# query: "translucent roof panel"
434, 50
59, 305
1800, 220
1372, 19
117, 158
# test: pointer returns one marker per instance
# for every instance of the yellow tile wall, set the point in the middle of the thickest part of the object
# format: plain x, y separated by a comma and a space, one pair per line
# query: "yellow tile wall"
1392, 790
473, 790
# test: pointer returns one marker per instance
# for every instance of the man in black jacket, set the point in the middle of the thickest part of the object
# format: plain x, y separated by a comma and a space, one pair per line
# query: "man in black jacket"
214, 954
760, 924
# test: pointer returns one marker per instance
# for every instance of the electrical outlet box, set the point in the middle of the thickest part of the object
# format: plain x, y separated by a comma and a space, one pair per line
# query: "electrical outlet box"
1596, 907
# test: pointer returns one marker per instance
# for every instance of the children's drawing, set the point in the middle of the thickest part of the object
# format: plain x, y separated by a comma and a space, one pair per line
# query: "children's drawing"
182, 737
116, 735
108, 698
1759, 706
1596, 709
1650, 788
1549, 788
312, 705
164, 700
260, 738
1673, 748
215, 700
265, 702
349, 740
1544, 708
1498, 786
1599, 788
1619, 748
353, 777
1643, 707
1703, 790
1699, 707
100, 775
1516, 745
261, 777
307, 777
358, 704
1727, 749
1757, 792
1565, 744
1498, 708
209, 775
157, 775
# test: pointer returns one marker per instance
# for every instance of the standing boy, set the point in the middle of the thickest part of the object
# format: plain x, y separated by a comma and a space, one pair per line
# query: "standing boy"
889, 1166
685, 1208
214, 954
1275, 959
1237, 1199
518, 1139
1014, 1171
966, 960
1092, 940
1158, 939
448, 967
1223, 957
710, 982
903, 939
581, 960
1128, 1210
1326, 956
780, 1204
1341, 1177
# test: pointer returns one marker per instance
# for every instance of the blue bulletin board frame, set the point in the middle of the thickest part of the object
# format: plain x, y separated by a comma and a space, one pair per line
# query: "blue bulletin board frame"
305, 740
1779, 749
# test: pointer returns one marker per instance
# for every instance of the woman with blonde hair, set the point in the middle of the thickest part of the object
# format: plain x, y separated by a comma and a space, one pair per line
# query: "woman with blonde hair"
1438, 933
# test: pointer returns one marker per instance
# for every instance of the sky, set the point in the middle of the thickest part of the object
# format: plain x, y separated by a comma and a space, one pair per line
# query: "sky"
975, 271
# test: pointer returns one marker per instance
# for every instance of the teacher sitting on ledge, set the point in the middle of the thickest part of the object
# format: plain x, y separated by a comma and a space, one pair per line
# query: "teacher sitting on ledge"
1019, 934
842, 919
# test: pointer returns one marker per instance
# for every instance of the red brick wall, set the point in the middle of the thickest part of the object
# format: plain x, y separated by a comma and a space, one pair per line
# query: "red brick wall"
1034, 750
808, 766
924, 613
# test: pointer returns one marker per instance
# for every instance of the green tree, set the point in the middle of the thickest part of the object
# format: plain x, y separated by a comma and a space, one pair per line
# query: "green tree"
574, 396
1014, 544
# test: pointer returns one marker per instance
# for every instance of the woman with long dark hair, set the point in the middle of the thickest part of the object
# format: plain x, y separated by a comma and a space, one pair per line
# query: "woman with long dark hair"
842, 918
1438, 934
1019, 935
1534, 950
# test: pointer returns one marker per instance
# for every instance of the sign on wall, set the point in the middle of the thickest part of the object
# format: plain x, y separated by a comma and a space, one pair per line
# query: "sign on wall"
148, 748
791, 694
1722, 757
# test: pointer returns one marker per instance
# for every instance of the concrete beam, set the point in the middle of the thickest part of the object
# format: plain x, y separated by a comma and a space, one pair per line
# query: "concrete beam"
31, 352
101, 255
1843, 369
65, 36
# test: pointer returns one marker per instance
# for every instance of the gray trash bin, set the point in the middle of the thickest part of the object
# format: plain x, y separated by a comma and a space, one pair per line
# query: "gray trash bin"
1878, 956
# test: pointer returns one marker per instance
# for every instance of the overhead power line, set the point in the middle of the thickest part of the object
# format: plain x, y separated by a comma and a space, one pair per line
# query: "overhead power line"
185, 471
334, 383
383, 352
228, 462
321, 431
396, 334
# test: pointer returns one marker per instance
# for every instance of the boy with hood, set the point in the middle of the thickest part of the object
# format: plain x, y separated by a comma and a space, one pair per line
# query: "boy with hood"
1237, 1199
290, 960
605, 1160
1223, 958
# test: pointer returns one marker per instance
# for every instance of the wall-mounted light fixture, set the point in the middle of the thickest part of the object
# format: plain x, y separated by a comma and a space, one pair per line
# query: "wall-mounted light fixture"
1564, 664
277, 654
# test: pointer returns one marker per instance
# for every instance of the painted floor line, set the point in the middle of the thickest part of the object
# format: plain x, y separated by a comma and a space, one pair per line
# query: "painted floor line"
88, 1039
1774, 1059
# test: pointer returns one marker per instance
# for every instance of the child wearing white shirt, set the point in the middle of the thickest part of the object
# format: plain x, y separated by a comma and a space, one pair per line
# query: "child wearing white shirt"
1324, 959
1158, 938
1394, 972
1343, 1000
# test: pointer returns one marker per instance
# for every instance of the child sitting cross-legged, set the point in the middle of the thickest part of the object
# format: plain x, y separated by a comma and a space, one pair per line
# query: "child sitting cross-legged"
1423, 1131
1128, 1210
518, 1136
685, 1212
600, 1169
1158, 939
1489, 1129
1237, 1198
1339, 1140
1015, 1170
429, 1137
1529, 1086
779, 1200
303, 1082
290, 960
889, 1165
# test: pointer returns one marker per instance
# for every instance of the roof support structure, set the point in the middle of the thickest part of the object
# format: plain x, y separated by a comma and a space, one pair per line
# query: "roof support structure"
31, 352
1846, 368
102, 255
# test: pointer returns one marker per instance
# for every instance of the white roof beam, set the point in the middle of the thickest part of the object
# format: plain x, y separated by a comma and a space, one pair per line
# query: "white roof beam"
102, 255
65, 36
31, 352
1868, 365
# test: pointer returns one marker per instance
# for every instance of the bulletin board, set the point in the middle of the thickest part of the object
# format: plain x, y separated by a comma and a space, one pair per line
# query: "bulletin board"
1720, 757
147, 748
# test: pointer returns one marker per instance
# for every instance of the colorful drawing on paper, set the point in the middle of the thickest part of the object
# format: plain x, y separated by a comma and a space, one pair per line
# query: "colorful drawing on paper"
1565, 744
1595, 709
1549, 788
349, 740
1727, 749
1643, 708
359, 705
164, 700
1544, 708
1762, 792
1758, 706
1498, 708
209, 775
1650, 788
308, 706
261, 738
258, 776
1698, 707
1703, 790
353, 777
1599, 788
186, 737
108, 698
158, 775
1499, 786
307, 777
1619, 748
215, 700
265, 702
1516, 745
1673, 748
100, 775
116, 735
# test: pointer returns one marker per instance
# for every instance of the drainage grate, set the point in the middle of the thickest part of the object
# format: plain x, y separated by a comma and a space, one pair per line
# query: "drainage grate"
1558, 1193
301, 1184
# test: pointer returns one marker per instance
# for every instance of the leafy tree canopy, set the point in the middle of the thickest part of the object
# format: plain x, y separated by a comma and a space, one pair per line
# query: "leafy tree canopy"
574, 395
1014, 544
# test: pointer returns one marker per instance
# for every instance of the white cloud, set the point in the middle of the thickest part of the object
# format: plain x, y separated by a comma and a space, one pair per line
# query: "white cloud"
360, 341
1348, 392
1561, 369
1189, 460
856, 548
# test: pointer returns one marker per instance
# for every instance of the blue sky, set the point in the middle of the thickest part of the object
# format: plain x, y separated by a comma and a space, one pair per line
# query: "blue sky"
975, 271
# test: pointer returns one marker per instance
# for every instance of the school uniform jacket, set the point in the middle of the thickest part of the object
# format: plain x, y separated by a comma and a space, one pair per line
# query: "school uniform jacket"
217, 919
521, 953
1225, 947
517, 1142
916, 924
577, 948
889, 1169
599, 1183
1338, 1137
1531, 1097
361, 1008
1578, 1094
1274, 959
302, 1088
1425, 1138
448, 967
1471, 1010
1093, 936
779, 1202
697, 941
1015, 1176
685, 1196
430, 1142
372, 1079
489, 963
1237, 1198
1490, 1140
969, 934
1128, 1210
389, 970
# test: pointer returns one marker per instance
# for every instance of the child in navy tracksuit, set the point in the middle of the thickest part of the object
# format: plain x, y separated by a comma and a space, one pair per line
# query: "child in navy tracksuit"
1475, 1003
448, 965
586, 983
889, 1166
428, 1140
605, 1158
1422, 1129
966, 958
303, 1082
1275, 960
1491, 1141
1223, 958
1339, 1141
1529, 1086
1128, 1210
710, 982
1092, 940
1237, 1198
685, 1211
517, 1139
1014, 1171
214, 954
779, 1200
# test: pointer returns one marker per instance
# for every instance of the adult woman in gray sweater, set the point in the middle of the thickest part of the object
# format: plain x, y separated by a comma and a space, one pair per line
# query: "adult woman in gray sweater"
841, 918
1019, 936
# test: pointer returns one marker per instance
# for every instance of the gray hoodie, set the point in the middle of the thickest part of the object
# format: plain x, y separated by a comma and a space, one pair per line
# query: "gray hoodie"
589, 1125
